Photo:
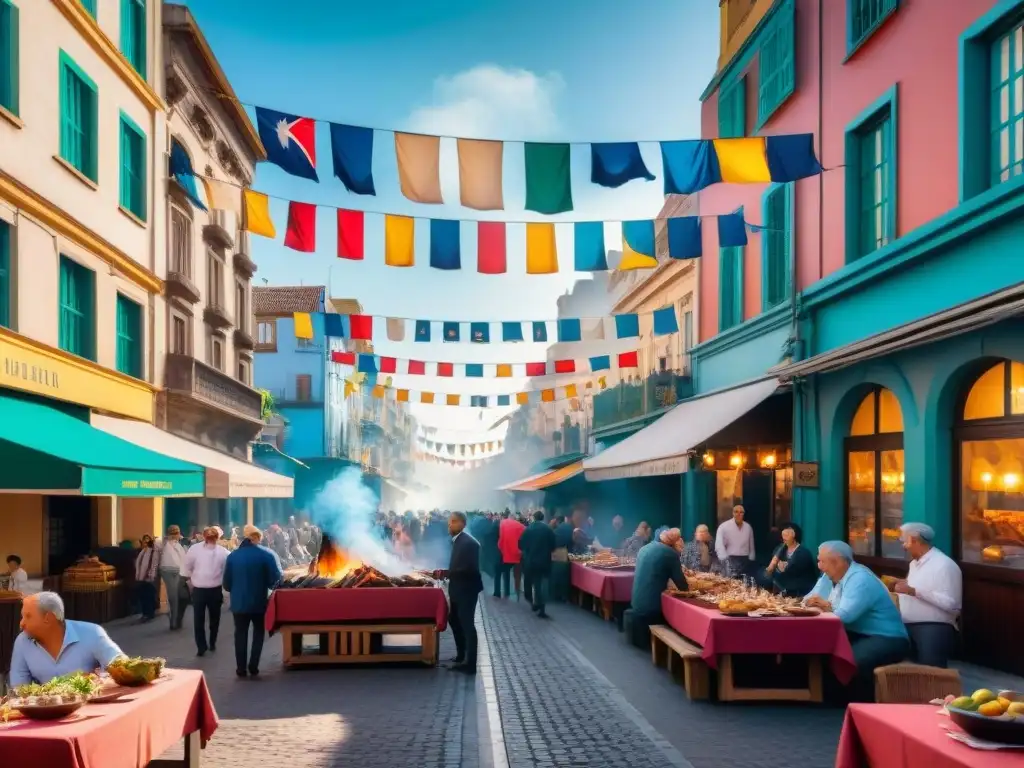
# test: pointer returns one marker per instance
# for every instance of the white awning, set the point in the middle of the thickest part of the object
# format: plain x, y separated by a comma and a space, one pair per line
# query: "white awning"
226, 477
661, 448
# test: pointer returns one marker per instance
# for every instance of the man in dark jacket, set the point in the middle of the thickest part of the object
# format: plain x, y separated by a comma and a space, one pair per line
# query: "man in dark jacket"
464, 588
657, 563
537, 543
250, 572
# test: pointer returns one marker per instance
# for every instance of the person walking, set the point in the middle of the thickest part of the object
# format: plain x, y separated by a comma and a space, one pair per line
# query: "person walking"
250, 572
204, 571
464, 587
509, 531
172, 558
146, 564
537, 544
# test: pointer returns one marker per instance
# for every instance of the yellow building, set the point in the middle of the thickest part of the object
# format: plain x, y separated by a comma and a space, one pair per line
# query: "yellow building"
737, 20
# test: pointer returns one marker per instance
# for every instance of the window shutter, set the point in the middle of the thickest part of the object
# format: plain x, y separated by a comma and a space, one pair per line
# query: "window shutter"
5, 274
9, 58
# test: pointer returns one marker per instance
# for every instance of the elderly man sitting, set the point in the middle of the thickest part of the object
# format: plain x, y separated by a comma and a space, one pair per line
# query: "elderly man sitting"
930, 598
656, 564
50, 646
854, 594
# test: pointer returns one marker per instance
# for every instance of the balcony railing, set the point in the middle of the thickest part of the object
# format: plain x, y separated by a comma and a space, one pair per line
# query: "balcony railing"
189, 376
631, 401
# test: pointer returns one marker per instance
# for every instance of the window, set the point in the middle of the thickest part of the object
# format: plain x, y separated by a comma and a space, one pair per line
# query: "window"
303, 387
776, 246
129, 337
243, 371
214, 280
732, 110
241, 321
776, 68
871, 190
179, 335
1007, 108
133, 168
78, 118
730, 308
181, 242
133, 34
863, 17
77, 321
266, 335
875, 476
216, 352
991, 437
6, 249
9, 56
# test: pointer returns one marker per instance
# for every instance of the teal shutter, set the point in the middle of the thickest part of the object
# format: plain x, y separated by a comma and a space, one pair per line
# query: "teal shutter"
77, 321
133, 168
133, 34
5, 274
78, 118
875, 153
863, 17
732, 110
9, 57
730, 311
776, 64
129, 337
1007, 106
777, 245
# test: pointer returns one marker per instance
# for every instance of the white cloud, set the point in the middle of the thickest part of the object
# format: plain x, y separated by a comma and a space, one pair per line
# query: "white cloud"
489, 101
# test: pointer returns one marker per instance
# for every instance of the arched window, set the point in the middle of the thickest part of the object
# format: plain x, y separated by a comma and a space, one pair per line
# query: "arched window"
875, 476
990, 433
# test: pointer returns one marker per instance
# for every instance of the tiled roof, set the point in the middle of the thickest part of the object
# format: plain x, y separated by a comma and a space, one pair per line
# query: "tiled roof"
287, 299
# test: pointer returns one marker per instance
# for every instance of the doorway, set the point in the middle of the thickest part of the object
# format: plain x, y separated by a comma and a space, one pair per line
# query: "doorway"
69, 527
759, 505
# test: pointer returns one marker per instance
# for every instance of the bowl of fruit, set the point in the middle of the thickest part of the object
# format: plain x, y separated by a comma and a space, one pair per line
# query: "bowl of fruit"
990, 716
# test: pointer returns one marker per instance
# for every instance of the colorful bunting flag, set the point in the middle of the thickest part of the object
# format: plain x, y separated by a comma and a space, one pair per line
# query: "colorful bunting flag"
418, 167
502, 400
588, 247
301, 232
600, 363
453, 400
536, 369
490, 248
474, 370
422, 330
361, 327
395, 329
352, 148
402, 395
388, 365
548, 178
334, 326
522, 398
223, 196
547, 395
540, 331
480, 174
445, 244
541, 249
427, 398
569, 329
689, 166
303, 323
343, 358
638, 245
612, 165
565, 366
399, 241
180, 169
417, 368
446, 370
665, 321
684, 238
732, 231
366, 364
351, 238
257, 214
742, 161
628, 360
377, 392
450, 331
627, 326
504, 371
290, 142
511, 331
791, 157
570, 391
480, 333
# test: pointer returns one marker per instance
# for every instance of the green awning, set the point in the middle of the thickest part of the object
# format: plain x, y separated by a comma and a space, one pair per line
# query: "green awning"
48, 448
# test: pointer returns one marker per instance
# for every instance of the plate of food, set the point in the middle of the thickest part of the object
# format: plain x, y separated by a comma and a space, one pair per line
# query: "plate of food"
110, 692
736, 607
133, 671
802, 610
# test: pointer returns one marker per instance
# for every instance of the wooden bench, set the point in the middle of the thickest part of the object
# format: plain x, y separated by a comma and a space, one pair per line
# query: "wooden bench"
355, 644
667, 643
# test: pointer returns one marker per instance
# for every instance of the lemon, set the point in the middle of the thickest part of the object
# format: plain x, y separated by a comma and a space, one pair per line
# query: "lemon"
990, 709
965, 703
1016, 708
983, 695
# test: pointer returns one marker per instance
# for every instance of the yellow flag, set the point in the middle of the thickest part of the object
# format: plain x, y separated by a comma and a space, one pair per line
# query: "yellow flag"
633, 260
257, 214
522, 398
547, 395
399, 241
743, 161
570, 390
402, 395
541, 251
303, 325
427, 397
378, 391
453, 400
504, 371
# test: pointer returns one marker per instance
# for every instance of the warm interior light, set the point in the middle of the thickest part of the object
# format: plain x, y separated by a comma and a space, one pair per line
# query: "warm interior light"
1010, 480
735, 460
986, 477
903, 478
709, 459
769, 460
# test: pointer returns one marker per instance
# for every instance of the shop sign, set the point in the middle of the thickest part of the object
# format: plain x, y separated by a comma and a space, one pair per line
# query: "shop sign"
805, 474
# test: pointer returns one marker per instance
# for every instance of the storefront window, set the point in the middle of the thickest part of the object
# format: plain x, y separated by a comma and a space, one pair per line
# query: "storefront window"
992, 469
730, 492
875, 476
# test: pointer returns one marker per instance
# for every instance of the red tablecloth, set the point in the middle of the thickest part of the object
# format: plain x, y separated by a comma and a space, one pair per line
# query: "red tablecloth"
128, 733
909, 736
610, 586
326, 606
718, 634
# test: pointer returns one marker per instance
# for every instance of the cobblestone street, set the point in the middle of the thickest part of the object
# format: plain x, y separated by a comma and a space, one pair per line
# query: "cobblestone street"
564, 692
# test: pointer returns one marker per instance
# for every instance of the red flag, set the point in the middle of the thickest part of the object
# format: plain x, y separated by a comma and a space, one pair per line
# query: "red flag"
536, 369
301, 232
565, 366
417, 368
628, 360
361, 327
445, 369
345, 358
388, 365
490, 248
350, 235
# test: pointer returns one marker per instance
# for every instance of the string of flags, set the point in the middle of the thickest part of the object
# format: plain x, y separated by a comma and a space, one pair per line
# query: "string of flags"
383, 390
664, 321
457, 463
375, 364
687, 166
463, 448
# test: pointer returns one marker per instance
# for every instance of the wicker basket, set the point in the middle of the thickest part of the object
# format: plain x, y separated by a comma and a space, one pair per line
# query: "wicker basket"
91, 571
915, 684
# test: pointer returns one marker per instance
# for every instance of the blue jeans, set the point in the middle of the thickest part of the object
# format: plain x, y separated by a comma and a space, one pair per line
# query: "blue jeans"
932, 642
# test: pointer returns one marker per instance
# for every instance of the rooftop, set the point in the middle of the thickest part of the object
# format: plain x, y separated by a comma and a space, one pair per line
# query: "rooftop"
284, 300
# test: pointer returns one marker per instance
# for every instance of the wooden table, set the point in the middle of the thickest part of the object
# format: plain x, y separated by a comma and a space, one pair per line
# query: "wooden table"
355, 644
603, 589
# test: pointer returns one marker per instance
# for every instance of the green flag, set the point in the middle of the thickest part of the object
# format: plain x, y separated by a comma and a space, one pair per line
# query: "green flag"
548, 183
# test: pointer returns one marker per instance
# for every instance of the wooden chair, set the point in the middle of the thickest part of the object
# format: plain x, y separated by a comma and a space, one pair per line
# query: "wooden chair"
667, 643
907, 683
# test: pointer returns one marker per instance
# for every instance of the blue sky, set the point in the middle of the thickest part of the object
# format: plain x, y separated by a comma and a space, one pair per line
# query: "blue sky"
568, 70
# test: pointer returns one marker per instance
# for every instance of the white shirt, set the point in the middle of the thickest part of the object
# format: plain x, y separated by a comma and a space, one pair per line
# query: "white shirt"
19, 581
204, 565
939, 586
733, 541
172, 554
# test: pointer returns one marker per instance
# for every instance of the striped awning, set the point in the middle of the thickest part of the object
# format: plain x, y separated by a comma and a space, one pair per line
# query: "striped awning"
548, 479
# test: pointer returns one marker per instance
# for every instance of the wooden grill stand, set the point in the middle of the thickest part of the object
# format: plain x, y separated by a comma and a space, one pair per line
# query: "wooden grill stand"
354, 644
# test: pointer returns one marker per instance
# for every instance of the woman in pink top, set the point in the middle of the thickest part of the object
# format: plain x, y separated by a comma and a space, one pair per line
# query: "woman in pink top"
509, 532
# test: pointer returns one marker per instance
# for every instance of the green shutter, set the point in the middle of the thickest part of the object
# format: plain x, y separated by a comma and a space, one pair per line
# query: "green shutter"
732, 110
78, 118
875, 154
776, 79
129, 337
9, 57
777, 246
5, 274
1007, 107
730, 270
863, 17
133, 34
77, 320
133, 168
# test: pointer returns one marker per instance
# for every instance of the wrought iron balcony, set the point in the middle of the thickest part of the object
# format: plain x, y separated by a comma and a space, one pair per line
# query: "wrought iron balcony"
630, 401
188, 377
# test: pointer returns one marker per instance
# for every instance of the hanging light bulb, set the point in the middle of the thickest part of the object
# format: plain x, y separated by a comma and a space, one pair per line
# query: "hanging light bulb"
709, 459
768, 461
736, 460
1010, 480
986, 477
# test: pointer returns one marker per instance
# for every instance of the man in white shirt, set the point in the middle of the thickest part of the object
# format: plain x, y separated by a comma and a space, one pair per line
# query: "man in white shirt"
734, 543
204, 570
930, 598
18, 576
172, 560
